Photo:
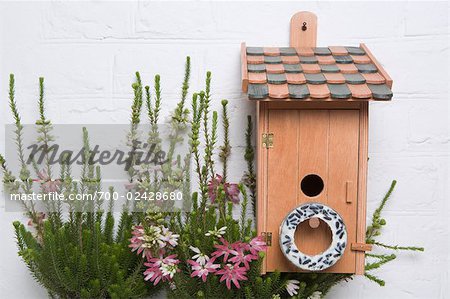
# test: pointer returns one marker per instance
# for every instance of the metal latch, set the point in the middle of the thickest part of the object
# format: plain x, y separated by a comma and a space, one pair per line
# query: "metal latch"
361, 247
267, 236
267, 140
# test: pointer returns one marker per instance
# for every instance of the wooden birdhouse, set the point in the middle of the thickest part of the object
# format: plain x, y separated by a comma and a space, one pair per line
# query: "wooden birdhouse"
312, 128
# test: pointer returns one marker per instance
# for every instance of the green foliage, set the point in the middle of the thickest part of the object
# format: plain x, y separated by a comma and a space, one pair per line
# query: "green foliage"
249, 178
12, 100
41, 99
158, 98
24, 184
137, 101
374, 229
77, 255
225, 149
181, 113
148, 102
77, 259
173, 175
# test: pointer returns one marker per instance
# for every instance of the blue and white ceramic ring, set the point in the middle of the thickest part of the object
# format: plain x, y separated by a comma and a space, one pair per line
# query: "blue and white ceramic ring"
320, 261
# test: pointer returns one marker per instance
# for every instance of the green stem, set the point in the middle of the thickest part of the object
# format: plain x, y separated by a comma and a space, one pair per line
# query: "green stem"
396, 247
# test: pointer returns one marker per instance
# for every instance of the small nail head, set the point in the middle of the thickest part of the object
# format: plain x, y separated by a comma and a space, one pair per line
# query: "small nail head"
304, 26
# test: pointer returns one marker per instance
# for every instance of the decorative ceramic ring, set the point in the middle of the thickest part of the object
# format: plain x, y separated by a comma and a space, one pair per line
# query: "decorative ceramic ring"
320, 261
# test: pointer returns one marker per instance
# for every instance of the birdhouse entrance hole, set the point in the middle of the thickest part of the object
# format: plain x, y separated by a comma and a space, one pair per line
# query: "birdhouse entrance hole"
311, 240
312, 185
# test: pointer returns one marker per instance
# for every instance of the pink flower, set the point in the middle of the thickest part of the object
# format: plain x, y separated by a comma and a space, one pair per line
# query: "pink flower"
202, 271
292, 286
40, 217
240, 257
239, 245
153, 274
256, 245
169, 266
231, 190
213, 185
130, 186
162, 268
47, 184
168, 237
232, 273
137, 242
225, 249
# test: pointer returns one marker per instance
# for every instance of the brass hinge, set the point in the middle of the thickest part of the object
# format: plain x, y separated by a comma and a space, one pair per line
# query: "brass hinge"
267, 140
267, 237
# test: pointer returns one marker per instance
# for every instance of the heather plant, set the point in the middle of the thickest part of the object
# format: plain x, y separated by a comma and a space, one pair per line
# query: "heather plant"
85, 253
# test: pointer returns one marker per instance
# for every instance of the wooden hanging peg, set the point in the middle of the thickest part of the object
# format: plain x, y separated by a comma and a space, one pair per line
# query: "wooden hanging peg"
303, 30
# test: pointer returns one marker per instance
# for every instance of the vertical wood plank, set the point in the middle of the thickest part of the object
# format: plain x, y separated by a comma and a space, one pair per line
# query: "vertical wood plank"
313, 159
282, 174
343, 168
313, 144
261, 172
362, 184
303, 38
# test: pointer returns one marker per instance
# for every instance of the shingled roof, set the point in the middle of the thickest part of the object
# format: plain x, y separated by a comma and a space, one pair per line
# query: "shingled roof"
313, 73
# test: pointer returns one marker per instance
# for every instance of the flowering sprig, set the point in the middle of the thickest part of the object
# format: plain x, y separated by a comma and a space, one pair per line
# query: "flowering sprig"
202, 270
47, 184
218, 183
232, 273
218, 233
256, 245
168, 238
224, 249
242, 257
161, 269
39, 221
138, 242
199, 257
292, 286
235, 260
152, 240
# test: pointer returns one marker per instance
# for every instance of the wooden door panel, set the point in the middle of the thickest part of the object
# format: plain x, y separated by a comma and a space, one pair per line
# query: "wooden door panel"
321, 142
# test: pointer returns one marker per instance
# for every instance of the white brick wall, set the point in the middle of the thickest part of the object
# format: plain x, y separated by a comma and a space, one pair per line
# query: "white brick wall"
88, 52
